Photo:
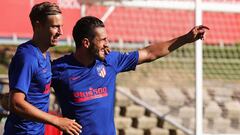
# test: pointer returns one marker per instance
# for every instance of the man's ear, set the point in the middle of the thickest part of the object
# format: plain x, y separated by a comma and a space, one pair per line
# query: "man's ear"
85, 43
36, 25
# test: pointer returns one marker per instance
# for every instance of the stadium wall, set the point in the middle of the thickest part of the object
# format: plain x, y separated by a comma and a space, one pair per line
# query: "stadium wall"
16, 23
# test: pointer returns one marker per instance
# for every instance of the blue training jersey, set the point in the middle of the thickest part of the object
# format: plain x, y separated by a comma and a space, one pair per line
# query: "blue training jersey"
87, 94
29, 73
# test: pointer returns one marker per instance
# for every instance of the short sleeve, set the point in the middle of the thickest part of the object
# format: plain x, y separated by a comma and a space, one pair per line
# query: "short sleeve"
20, 72
124, 61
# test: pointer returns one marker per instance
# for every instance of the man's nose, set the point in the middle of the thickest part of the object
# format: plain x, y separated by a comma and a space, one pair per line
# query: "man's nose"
60, 30
106, 43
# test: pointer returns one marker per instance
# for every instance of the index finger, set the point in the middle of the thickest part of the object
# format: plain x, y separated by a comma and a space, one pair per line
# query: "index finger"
203, 27
78, 125
76, 130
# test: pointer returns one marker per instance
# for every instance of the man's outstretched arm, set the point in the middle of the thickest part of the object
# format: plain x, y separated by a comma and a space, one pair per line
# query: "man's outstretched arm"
158, 50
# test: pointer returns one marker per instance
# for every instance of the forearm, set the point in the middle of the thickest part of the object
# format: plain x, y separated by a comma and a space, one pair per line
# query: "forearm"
24, 109
162, 49
158, 50
21, 107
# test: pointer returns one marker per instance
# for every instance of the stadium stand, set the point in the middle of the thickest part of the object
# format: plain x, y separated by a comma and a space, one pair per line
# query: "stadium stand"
128, 23
140, 24
134, 119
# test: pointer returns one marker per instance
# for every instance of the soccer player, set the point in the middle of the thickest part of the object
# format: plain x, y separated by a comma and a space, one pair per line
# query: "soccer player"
30, 77
84, 81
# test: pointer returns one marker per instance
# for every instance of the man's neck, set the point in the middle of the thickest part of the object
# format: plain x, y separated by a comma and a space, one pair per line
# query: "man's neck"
42, 47
84, 58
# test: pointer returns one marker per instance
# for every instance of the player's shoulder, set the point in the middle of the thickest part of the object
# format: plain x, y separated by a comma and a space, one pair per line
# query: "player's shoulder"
112, 55
59, 65
109, 58
117, 54
26, 50
61, 61
24, 53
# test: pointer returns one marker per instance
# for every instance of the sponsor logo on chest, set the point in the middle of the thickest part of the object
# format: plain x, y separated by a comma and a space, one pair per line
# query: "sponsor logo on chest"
90, 94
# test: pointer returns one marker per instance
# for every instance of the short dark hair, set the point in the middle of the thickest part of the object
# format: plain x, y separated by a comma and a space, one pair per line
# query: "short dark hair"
85, 28
40, 11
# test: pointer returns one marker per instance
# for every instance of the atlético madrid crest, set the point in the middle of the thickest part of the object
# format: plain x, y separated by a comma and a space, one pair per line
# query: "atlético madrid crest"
101, 70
